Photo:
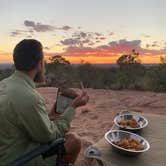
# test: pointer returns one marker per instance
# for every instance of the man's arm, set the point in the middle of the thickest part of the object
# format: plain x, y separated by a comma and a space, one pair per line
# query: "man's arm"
34, 119
36, 122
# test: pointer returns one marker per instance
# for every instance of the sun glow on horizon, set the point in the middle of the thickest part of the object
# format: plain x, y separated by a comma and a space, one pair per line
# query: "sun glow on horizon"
98, 36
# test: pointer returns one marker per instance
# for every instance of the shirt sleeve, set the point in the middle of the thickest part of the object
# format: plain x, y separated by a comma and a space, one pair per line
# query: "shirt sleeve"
34, 118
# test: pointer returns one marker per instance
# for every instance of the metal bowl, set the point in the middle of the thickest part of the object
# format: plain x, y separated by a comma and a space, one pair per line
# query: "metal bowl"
117, 135
142, 121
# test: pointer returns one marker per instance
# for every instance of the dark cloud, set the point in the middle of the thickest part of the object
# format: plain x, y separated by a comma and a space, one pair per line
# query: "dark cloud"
102, 38
155, 45
79, 34
39, 27
91, 43
86, 41
126, 46
113, 43
124, 42
147, 45
114, 48
70, 42
83, 39
43, 27
29, 23
131, 43
66, 27
79, 39
83, 34
46, 48
98, 34
122, 46
17, 33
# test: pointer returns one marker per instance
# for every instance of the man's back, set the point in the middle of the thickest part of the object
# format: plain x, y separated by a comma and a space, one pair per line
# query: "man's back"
15, 94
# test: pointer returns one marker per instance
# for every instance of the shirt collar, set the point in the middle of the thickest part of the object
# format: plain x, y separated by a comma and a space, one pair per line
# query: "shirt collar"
25, 77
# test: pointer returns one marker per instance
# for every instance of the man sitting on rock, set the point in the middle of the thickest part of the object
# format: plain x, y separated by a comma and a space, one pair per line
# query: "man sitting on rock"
24, 122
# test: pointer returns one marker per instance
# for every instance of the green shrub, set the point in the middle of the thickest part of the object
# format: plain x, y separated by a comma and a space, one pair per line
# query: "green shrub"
155, 79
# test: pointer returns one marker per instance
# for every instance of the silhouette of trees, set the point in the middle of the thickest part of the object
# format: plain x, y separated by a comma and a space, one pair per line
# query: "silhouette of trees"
58, 71
163, 59
57, 59
130, 72
132, 58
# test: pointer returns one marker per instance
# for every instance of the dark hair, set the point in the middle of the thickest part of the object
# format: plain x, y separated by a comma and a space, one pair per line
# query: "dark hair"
27, 54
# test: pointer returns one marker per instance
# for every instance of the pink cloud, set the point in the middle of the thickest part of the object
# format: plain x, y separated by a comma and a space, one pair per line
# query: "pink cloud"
113, 48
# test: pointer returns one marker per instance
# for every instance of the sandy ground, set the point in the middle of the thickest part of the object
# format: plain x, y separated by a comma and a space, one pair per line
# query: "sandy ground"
92, 121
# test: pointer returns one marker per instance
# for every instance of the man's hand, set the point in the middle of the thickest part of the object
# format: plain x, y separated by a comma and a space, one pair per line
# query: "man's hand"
80, 100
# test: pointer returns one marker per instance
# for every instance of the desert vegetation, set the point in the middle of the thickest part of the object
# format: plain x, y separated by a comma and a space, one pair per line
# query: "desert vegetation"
128, 74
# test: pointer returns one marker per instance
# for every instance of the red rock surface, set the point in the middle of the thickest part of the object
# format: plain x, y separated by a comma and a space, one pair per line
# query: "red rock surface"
91, 122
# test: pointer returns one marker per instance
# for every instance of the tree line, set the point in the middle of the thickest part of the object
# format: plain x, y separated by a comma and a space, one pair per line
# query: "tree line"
129, 74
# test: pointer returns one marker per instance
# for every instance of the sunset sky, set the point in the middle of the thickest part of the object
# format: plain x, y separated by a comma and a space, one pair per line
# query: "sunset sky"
96, 31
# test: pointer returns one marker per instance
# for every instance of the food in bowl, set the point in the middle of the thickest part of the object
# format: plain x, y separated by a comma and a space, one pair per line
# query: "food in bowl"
130, 144
131, 123
113, 136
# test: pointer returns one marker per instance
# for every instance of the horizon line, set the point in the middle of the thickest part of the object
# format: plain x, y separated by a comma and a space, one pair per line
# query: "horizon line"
90, 63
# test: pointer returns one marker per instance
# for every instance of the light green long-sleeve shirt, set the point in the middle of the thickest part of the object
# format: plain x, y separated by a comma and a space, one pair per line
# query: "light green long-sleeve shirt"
24, 121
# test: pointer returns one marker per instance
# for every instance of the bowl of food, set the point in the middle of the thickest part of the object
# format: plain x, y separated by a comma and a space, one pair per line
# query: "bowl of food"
127, 142
130, 122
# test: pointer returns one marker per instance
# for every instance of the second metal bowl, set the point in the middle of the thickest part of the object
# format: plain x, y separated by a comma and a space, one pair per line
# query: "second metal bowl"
117, 135
142, 121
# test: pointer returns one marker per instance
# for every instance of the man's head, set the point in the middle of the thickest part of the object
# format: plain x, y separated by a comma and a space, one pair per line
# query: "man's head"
28, 57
